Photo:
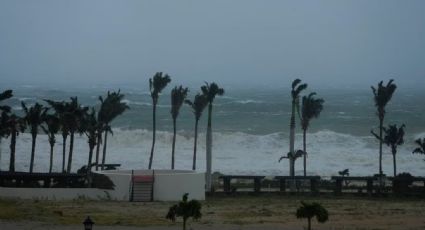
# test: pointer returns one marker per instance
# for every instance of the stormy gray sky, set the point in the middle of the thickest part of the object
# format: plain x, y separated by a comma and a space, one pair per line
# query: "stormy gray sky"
238, 42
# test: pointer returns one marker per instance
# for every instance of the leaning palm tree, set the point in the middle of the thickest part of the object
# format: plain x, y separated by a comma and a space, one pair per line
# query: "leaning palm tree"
421, 144
52, 127
110, 108
393, 138
178, 95
310, 108
295, 93
33, 118
311, 210
13, 125
60, 111
74, 116
156, 84
91, 127
382, 95
210, 91
198, 105
4, 111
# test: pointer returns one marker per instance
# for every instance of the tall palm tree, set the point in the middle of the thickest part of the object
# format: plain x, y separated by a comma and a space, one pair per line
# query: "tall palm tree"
311, 210
52, 126
13, 125
210, 91
111, 107
310, 108
382, 95
61, 112
295, 93
393, 138
156, 84
178, 95
198, 105
4, 111
33, 118
74, 116
91, 127
421, 144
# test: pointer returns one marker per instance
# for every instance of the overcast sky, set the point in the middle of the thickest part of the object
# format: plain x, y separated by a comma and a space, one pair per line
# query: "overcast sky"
80, 42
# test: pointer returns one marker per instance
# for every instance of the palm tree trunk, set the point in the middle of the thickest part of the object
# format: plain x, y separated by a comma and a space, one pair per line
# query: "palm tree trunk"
394, 163
305, 151
184, 223
292, 135
209, 149
99, 140
51, 157
12, 151
381, 122
153, 134
71, 148
32, 153
89, 179
63, 152
195, 144
174, 144
104, 150
309, 224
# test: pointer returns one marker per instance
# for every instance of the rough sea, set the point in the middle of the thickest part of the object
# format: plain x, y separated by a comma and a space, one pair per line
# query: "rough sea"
250, 132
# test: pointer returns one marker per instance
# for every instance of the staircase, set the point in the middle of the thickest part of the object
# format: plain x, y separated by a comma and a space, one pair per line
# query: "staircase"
142, 188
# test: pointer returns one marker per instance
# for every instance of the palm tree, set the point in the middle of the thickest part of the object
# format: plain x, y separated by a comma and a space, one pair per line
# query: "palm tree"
310, 210
382, 95
60, 111
4, 110
12, 126
310, 108
91, 127
53, 126
178, 95
293, 156
198, 105
393, 138
295, 93
33, 118
156, 84
185, 209
210, 91
421, 144
111, 107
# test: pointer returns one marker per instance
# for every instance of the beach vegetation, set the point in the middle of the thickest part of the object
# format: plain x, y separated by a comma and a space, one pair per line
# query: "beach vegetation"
311, 210
178, 96
185, 209
382, 95
12, 126
156, 84
51, 127
310, 108
198, 105
210, 91
421, 146
33, 119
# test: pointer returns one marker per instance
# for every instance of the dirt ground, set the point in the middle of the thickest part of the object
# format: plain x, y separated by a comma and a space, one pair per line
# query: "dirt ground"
221, 212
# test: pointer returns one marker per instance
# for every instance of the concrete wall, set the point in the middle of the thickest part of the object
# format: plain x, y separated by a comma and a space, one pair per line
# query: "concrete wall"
53, 193
171, 187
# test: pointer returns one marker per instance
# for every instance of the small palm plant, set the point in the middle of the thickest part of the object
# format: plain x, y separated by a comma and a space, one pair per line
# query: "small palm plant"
53, 126
421, 144
156, 84
210, 91
185, 209
393, 138
178, 95
311, 210
310, 108
34, 118
382, 95
295, 94
198, 105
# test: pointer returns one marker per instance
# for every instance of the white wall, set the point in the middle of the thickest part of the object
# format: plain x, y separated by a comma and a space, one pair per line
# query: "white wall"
171, 187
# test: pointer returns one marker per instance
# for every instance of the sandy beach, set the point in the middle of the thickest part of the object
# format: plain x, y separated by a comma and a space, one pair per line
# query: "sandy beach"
223, 212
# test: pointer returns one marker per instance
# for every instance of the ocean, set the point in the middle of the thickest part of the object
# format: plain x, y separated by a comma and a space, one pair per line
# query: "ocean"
250, 132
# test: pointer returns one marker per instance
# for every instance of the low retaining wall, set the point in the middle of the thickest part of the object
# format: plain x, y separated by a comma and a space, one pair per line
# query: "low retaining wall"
54, 193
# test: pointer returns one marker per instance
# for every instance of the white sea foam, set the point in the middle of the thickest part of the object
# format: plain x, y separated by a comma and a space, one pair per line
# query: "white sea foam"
236, 152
